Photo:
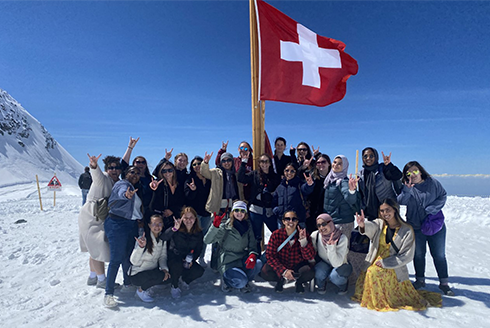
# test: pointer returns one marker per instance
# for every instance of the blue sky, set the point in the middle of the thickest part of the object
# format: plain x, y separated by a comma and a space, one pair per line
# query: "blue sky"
177, 74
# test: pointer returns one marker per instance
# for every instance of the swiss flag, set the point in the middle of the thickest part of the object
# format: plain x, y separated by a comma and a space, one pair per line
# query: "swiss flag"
296, 64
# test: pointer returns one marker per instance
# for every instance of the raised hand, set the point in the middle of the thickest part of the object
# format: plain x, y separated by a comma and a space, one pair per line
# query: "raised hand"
154, 183
141, 241
360, 219
409, 184
132, 142
302, 233
306, 163
177, 223
353, 182
308, 179
167, 213
315, 151
129, 194
168, 154
386, 159
224, 145
93, 160
192, 185
207, 157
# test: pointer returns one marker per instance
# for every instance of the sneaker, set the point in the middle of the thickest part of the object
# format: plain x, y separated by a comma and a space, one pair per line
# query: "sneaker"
417, 284
202, 262
109, 301
183, 285
175, 292
225, 288
144, 295
101, 284
322, 289
300, 288
279, 286
247, 289
125, 289
92, 281
446, 290
343, 289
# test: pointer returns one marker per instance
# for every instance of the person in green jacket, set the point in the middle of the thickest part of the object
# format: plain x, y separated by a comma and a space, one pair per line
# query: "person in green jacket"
237, 263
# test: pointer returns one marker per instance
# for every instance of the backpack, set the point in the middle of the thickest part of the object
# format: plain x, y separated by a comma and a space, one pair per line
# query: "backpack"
101, 209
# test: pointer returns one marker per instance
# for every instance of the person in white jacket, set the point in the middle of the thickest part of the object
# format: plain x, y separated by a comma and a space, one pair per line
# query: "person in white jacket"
332, 247
149, 260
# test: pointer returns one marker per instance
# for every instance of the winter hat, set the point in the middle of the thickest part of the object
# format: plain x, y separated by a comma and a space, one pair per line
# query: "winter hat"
240, 205
226, 155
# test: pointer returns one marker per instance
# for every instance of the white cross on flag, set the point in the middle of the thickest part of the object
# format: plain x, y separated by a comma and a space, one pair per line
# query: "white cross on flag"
296, 64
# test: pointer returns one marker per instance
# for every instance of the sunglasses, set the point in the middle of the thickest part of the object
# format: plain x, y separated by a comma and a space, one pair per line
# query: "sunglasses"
140, 162
239, 210
156, 224
415, 172
244, 148
196, 164
227, 160
265, 161
133, 172
368, 156
302, 149
294, 219
167, 171
114, 168
321, 162
323, 224
289, 171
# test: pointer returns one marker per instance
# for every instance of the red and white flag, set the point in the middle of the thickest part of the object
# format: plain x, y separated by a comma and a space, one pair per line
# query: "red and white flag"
296, 64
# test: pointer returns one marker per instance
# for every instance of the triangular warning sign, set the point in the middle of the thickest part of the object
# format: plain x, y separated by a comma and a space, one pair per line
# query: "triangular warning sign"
54, 183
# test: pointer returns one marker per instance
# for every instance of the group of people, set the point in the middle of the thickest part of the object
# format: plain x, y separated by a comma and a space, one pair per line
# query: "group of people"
157, 226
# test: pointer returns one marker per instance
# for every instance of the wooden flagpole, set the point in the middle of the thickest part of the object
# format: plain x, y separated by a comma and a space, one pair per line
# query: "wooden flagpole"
258, 107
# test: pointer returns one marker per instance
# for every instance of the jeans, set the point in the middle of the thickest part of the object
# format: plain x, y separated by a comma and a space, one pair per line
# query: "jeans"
121, 234
437, 247
205, 222
84, 196
338, 276
257, 221
239, 277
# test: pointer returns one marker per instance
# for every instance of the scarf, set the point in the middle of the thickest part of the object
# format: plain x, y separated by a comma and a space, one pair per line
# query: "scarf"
335, 232
371, 199
337, 177
241, 226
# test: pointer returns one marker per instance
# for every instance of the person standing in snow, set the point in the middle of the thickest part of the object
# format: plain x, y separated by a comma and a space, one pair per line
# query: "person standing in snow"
84, 182
425, 197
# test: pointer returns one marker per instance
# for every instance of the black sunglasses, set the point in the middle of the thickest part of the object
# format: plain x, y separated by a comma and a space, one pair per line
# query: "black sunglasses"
302, 149
294, 219
167, 171
114, 168
140, 162
323, 224
227, 160
196, 164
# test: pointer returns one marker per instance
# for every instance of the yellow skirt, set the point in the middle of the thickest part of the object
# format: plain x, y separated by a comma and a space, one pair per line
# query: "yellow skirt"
378, 289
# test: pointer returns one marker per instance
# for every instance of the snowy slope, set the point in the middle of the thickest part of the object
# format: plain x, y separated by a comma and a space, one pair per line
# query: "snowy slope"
43, 280
27, 148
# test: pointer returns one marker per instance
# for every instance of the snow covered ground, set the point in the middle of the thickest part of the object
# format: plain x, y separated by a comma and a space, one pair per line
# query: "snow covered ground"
43, 279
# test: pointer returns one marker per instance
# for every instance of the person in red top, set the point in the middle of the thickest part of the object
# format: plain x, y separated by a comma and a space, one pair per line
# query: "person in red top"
288, 254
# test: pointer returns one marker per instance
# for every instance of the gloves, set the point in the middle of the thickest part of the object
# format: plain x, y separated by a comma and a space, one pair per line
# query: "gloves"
251, 261
217, 219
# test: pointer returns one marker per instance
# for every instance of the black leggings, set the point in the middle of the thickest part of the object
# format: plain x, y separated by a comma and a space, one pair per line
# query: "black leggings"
147, 279
177, 270
306, 273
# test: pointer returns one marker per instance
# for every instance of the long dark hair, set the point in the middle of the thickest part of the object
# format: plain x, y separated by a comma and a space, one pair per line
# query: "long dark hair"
327, 158
147, 171
407, 167
396, 207
149, 240
174, 177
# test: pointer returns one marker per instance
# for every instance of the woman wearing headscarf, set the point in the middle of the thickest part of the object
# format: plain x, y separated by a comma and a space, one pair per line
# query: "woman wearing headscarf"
341, 200
384, 284
332, 247
377, 181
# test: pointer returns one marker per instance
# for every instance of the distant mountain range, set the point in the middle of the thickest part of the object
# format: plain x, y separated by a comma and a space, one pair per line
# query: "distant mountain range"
27, 148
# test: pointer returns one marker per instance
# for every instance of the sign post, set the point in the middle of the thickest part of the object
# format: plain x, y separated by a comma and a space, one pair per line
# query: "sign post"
54, 184
39, 192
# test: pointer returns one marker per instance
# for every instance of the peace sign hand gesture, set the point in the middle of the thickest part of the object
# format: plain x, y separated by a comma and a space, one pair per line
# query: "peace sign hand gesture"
129, 194
93, 160
177, 223
302, 233
308, 179
141, 241
353, 182
386, 159
360, 219
154, 183
192, 185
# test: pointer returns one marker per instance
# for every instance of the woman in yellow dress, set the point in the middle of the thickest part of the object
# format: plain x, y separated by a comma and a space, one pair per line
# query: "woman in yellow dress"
384, 284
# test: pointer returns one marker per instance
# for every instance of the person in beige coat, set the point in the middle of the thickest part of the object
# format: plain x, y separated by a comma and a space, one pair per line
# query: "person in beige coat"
91, 229
384, 284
